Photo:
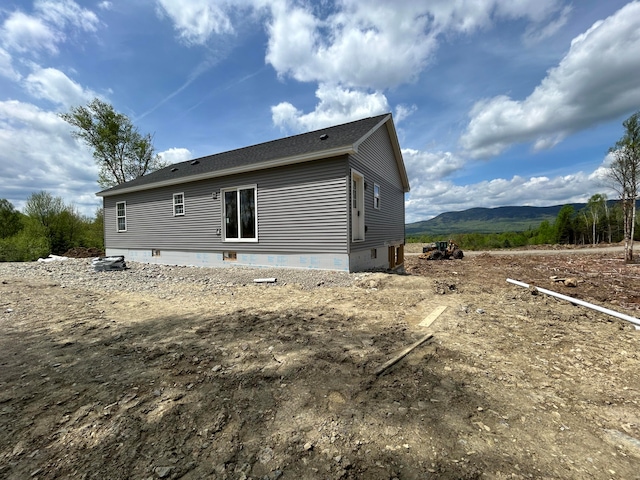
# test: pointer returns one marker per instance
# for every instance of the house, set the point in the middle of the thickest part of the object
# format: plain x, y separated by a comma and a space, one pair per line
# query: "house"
330, 199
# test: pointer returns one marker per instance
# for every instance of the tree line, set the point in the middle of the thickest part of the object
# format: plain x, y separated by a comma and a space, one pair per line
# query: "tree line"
600, 221
597, 222
47, 226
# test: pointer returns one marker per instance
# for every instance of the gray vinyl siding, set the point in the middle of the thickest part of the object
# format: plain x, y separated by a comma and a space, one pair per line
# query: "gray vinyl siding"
300, 208
376, 161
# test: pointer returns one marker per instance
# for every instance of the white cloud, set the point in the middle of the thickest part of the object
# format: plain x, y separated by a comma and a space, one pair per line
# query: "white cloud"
404, 111
429, 198
105, 5
37, 152
378, 44
53, 85
64, 13
337, 105
197, 20
175, 155
428, 167
22, 33
595, 82
6, 66
372, 45
47, 27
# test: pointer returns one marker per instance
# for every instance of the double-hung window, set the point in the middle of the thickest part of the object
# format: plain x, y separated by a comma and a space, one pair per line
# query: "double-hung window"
239, 214
178, 204
121, 216
376, 196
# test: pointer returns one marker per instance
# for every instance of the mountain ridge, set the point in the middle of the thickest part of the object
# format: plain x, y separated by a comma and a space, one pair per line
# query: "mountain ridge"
488, 220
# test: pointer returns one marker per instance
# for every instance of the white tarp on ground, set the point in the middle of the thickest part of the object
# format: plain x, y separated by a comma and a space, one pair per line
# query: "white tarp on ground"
53, 258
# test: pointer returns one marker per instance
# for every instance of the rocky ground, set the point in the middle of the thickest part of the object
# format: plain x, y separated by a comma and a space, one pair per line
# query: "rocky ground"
175, 372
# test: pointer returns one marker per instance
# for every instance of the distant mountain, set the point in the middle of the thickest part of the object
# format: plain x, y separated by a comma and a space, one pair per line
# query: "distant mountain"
488, 220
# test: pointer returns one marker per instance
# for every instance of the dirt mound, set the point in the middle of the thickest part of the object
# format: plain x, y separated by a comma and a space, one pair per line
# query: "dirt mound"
83, 252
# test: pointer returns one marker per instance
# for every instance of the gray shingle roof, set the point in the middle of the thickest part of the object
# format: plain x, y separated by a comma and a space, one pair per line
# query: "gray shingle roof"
309, 143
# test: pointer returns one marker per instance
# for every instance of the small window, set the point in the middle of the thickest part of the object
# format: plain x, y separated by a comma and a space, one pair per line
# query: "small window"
229, 256
374, 253
239, 214
178, 204
376, 196
121, 216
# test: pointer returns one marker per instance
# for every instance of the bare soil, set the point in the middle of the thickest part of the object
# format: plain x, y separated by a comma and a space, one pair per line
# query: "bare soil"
269, 381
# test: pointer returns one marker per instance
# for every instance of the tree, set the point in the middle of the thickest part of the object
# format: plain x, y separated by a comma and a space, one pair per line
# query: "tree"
624, 174
60, 224
10, 223
120, 151
597, 212
564, 225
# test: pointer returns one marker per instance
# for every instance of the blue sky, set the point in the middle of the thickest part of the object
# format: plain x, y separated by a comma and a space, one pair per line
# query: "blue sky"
499, 102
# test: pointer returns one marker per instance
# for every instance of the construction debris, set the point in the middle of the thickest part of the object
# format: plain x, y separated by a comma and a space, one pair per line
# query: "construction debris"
402, 354
105, 264
577, 301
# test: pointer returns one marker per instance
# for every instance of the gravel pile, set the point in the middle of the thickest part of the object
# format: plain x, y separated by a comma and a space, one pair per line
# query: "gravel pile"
140, 277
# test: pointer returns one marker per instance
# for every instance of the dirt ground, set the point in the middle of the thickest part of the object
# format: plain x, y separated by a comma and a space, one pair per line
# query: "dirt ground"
269, 381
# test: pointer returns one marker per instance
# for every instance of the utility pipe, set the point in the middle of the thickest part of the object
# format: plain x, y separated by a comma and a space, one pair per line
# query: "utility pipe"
613, 313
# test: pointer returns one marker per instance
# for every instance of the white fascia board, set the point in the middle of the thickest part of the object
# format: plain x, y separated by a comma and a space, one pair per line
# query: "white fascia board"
280, 162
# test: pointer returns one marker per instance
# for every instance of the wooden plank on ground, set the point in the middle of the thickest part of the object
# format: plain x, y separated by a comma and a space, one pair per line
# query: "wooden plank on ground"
432, 316
402, 354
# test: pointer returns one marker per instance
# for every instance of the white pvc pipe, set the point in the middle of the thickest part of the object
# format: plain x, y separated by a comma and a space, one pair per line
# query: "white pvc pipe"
613, 313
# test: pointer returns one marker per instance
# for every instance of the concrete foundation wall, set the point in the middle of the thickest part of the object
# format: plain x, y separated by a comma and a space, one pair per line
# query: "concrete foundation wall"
322, 261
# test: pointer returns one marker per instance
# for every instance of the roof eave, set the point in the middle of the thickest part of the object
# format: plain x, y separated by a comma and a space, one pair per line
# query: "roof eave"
280, 162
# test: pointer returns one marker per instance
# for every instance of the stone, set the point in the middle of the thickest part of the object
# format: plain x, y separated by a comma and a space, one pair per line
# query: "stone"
163, 472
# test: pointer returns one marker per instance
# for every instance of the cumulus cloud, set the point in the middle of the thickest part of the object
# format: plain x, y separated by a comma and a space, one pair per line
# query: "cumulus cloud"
36, 148
197, 20
53, 85
427, 166
595, 82
336, 105
22, 33
175, 155
369, 45
429, 198
46, 27
379, 44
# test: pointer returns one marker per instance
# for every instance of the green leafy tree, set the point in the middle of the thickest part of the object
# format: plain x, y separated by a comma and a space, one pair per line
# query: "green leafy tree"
119, 149
563, 225
10, 223
624, 174
596, 215
60, 224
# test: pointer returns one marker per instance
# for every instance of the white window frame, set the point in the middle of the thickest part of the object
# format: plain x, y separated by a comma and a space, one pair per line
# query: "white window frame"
376, 196
223, 216
118, 216
178, 204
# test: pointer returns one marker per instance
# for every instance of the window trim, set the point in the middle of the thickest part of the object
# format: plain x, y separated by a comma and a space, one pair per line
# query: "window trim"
358, 198
223, 213
175, 204
118, 216
376, 197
